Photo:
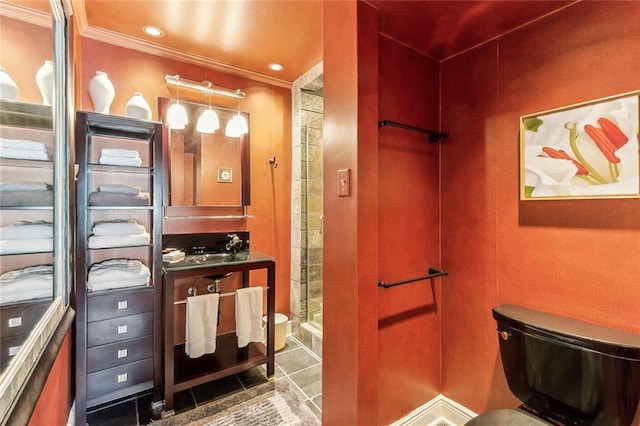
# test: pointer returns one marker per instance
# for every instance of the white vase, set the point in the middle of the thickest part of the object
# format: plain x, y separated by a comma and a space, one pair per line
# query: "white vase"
44, 80
137, 107
102, 92
8, 87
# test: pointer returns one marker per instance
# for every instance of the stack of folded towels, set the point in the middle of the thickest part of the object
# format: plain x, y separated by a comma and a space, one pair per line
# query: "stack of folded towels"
120, 157
115, 194
117, 273
32, 282
118, 233
24, 150
25, 194
26, 237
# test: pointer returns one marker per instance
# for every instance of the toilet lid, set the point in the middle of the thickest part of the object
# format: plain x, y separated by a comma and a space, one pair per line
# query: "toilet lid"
506, 417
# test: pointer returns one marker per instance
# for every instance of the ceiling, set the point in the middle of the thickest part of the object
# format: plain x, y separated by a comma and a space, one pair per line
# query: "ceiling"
245, 36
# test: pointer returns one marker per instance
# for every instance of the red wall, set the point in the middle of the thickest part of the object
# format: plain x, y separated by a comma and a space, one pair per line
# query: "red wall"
270, 132
578, 258
350, 336
408, 232
55, 402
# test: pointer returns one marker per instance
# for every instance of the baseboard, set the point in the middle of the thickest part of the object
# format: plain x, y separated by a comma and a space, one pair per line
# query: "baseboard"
439, 411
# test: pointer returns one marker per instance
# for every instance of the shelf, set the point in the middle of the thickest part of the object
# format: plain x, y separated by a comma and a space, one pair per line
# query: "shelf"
228, 359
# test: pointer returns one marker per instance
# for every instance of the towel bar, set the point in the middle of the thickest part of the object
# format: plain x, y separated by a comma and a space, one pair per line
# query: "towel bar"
433, 273
232, 293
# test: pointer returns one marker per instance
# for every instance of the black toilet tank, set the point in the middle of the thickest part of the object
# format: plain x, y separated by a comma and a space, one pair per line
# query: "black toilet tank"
570, 371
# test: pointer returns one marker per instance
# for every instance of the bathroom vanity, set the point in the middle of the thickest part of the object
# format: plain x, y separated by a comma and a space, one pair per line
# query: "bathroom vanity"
202, 268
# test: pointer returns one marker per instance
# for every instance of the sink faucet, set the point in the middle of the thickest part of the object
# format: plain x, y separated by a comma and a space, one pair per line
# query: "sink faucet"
233, 243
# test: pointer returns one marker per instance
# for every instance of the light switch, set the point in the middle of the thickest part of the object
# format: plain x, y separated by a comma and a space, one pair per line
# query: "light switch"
344, 182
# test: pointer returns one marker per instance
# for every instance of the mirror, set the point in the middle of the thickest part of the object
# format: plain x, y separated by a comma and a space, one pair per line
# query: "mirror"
205, 170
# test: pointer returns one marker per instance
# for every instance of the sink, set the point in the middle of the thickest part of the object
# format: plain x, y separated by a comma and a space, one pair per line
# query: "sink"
210, 258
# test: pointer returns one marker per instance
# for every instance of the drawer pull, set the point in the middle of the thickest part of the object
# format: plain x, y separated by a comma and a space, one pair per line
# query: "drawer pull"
13, 350
15, 322
122, 305
122, 329
122, 353
122, 377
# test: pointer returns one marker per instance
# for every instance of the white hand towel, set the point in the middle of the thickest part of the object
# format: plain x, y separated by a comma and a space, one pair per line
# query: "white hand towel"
201, 325
249, 315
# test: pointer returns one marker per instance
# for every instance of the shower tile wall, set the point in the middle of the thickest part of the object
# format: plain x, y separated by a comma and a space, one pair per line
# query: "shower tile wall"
312, 109
306, 197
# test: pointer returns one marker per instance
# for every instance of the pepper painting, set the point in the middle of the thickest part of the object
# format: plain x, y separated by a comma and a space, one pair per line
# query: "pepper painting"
584, 151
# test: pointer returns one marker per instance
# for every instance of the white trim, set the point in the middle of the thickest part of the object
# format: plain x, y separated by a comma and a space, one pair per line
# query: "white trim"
439, 411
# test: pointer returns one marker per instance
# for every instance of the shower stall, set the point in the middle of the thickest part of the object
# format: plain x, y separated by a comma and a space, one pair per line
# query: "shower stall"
307, 209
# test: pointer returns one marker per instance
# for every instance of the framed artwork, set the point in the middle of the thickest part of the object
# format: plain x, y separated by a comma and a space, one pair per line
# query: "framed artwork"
225, 174
588, 150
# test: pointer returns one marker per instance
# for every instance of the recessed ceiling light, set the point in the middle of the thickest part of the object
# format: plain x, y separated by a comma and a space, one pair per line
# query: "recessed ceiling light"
276, 67
153, 31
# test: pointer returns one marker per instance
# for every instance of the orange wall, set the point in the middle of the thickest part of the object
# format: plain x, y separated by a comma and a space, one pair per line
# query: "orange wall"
270, 132
578, 258
55, 403
23, 49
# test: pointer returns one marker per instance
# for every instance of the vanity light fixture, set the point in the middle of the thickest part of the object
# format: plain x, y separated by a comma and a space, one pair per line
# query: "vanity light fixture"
152, 31
177, 115
237, 126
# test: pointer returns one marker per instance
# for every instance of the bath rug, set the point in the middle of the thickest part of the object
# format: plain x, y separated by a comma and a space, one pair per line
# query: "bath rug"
273, 403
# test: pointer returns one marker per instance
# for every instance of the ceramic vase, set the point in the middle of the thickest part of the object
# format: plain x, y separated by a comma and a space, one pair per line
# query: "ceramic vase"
44, 80
8, 88
137, 107
102, 92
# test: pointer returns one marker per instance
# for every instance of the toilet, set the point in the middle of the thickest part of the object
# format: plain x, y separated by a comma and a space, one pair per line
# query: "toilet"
565, 371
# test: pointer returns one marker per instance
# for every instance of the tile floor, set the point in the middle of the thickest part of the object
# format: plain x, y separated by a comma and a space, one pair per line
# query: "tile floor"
294, 363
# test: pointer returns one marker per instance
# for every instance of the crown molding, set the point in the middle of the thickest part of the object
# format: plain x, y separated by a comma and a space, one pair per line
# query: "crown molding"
127, 42
24, 14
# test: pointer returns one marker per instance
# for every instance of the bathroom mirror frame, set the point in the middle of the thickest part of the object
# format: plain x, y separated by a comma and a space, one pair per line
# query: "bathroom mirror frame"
207, 209
22, 382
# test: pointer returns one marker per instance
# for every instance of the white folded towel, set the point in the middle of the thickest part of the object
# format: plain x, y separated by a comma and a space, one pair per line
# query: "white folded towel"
201, 324
32, 282
120, 161
24, 186
119, 188
31, 245
126, 240
22, 144
249, 315
116, 152
24, 154
26, 230
117, 273
118, 227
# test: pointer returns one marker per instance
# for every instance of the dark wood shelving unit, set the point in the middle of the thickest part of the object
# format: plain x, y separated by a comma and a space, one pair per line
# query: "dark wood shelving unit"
118, 344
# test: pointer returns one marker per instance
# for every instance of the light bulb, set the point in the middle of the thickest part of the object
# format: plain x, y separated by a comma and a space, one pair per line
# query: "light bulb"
177, 117
237, 126
208, 122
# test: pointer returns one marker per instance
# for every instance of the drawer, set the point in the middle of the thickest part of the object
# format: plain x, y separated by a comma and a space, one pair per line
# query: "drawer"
119, 303
119, 329
21, 318
117, 378
114, 354
9, 347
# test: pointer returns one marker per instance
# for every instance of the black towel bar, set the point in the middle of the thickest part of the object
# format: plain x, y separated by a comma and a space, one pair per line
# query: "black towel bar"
433, 273
433, 135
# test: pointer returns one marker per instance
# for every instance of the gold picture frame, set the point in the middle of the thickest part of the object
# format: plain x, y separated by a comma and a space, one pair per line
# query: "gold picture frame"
588, 150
